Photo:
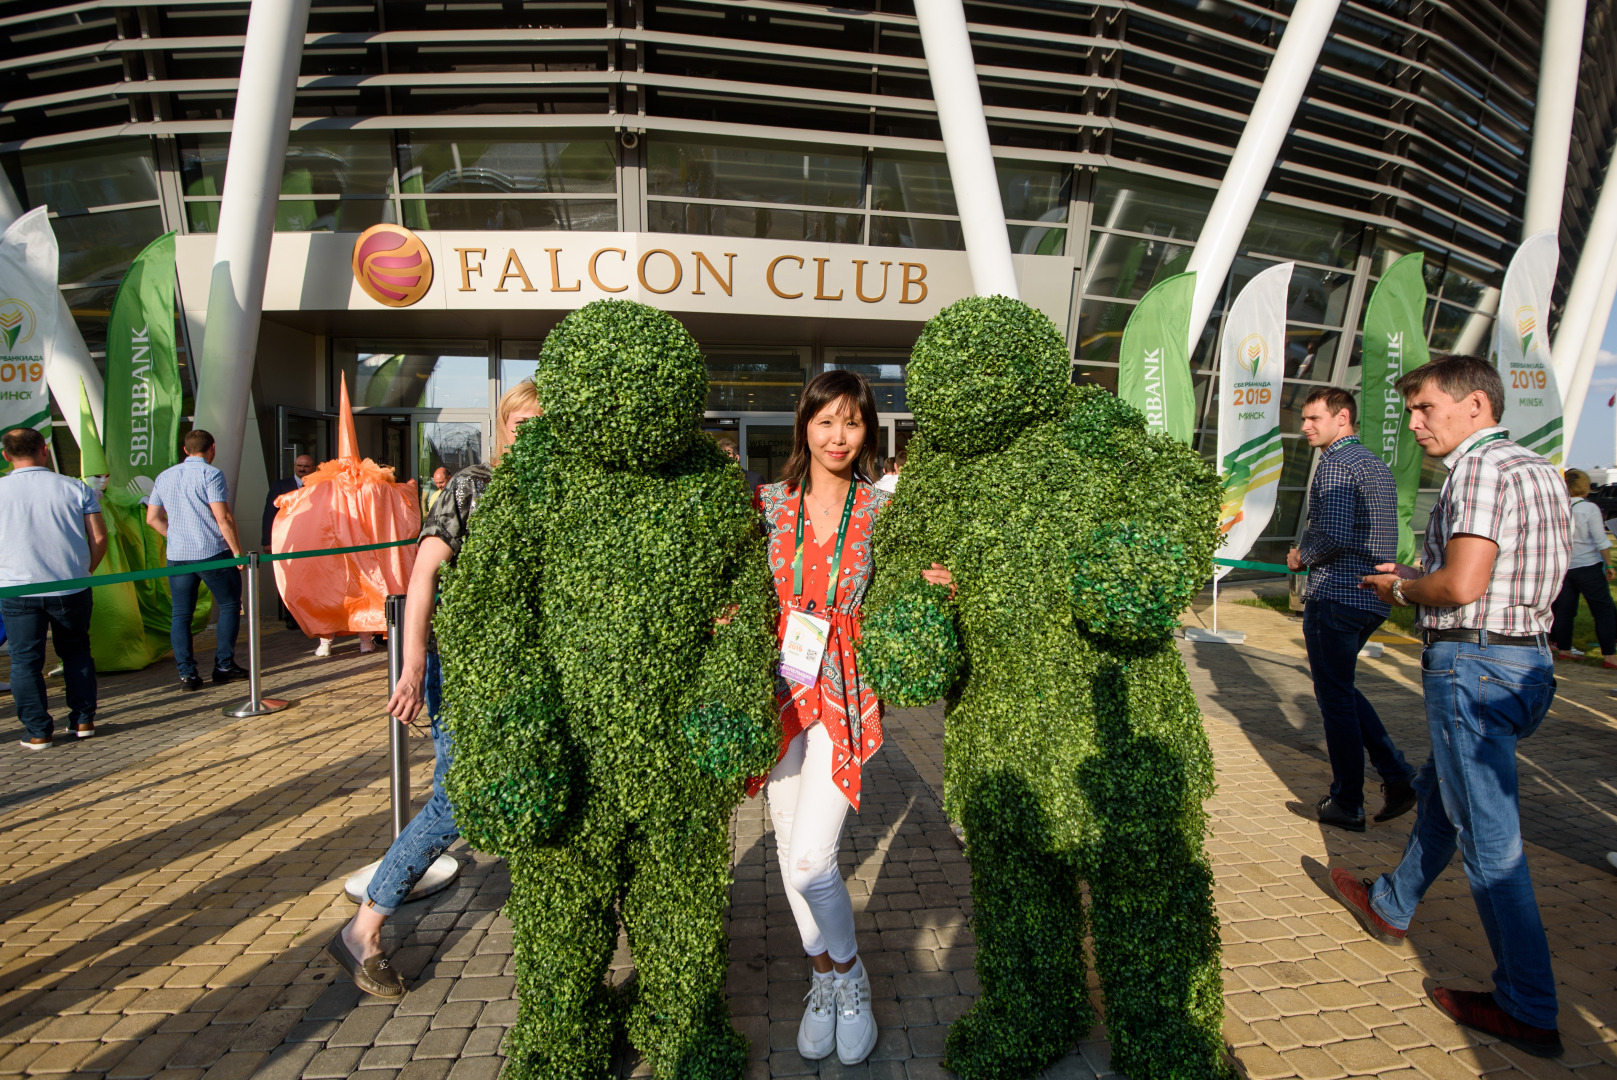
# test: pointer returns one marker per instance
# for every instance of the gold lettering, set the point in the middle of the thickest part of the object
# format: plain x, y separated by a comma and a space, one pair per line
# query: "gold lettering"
908, 281
769, 276
640, 271
859, 281
819, 281
507, 273
555, 274
701, 261
467, 270
596, 278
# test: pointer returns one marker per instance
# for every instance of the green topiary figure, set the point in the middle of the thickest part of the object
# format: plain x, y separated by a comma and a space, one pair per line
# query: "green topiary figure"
604, 720
1074, 749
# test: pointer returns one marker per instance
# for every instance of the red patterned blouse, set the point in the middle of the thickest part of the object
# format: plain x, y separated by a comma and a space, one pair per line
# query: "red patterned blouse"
839, 699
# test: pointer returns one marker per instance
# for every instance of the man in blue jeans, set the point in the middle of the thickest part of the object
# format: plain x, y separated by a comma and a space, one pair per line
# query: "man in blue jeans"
1497, 546
50, 530
190, 504
1352, 526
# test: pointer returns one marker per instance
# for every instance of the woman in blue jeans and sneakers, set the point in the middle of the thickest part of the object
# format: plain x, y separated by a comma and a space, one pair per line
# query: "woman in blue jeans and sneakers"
358, 945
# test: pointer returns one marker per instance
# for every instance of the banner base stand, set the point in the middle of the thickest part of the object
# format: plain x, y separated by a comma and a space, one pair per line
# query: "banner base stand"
1372, 650
443, 872
261, 707
1220, 637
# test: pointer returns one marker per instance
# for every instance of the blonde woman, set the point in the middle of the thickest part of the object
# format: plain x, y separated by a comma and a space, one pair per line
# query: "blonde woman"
358, 945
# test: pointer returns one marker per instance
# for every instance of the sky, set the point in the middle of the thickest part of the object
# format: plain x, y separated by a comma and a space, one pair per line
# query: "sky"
1595, 445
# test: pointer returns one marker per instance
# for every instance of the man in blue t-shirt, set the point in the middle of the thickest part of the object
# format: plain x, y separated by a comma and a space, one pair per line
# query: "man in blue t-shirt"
190, 504
1352, 527
50, 530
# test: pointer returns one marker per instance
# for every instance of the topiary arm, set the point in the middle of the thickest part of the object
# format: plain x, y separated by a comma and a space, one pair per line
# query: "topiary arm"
514, 770
909, 648
734, 726
1132, 579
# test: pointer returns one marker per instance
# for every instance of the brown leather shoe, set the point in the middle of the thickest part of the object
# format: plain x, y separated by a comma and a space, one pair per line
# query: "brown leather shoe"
1478, 1011
374, 976
1355, 896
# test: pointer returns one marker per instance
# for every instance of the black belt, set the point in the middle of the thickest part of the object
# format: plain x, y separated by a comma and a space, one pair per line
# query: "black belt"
1474, 637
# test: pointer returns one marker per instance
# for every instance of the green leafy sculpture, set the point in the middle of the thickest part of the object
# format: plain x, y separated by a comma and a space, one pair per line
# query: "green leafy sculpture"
1074, 750
604, 717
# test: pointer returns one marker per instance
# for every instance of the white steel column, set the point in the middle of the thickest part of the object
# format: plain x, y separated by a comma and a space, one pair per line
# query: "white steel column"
953, 72
70, 359
1255, 154
1559, 58
1588, 346
1473, 339
269, 73
1583, 299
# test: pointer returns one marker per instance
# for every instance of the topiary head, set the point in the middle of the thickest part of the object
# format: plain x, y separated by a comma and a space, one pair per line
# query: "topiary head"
984, 369
623, 384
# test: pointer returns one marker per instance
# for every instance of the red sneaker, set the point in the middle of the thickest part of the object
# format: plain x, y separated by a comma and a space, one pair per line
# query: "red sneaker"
1355, 896
1476, 1010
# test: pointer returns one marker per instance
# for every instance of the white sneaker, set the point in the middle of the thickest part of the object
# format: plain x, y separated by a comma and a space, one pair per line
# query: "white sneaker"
856, 1027
1611, 857
367, 644
817, 1034
324, 648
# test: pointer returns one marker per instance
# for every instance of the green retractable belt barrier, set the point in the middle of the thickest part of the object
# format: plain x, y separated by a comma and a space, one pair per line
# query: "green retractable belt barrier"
188, 568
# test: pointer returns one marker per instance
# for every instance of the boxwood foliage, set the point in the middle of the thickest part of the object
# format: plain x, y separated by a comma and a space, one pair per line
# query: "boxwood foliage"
1074, 750
603, 721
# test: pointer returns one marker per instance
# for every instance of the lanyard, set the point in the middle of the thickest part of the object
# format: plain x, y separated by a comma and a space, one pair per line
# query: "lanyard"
1484, 441
836, 559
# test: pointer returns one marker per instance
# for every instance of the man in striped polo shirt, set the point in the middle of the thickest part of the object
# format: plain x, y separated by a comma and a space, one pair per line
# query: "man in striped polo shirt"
1497, 546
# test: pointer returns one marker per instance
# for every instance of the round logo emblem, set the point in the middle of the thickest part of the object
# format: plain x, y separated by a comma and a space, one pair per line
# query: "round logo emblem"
16, 323
1252, 353
392, 265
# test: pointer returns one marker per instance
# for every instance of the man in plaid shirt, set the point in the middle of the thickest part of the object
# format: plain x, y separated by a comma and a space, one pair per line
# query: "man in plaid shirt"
1497, 546
1352, 527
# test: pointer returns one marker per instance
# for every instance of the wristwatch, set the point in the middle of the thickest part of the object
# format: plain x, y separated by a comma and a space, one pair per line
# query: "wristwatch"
1398, 592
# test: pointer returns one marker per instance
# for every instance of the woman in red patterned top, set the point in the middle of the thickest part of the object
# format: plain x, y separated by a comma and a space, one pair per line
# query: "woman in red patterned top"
819, 517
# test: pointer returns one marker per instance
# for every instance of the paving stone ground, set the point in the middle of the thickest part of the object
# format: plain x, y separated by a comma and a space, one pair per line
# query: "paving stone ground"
169, 886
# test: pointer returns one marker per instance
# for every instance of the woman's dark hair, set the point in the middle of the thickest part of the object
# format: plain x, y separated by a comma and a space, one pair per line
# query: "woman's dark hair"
828, 388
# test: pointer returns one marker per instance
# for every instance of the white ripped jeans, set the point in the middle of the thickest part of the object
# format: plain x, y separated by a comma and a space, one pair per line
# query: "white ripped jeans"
808, 812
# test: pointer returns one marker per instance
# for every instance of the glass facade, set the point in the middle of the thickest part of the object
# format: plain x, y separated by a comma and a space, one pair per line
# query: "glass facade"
1111, 127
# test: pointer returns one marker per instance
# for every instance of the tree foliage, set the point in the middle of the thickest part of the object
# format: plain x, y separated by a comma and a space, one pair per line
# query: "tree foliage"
603, 723
1074, 749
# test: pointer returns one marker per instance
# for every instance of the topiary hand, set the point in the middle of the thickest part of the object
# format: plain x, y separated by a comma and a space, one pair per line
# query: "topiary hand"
1130, 582
729, 745
513, 774
909, 649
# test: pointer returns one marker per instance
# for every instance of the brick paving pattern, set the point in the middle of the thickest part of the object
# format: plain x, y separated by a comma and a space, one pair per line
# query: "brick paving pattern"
170, 885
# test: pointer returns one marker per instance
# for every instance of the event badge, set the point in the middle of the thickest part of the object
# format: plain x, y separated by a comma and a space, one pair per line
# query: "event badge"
803, 647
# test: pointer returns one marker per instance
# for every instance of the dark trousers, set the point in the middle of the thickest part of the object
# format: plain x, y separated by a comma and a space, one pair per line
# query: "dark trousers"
1334, 633
225, 585
67, 618
1590, 583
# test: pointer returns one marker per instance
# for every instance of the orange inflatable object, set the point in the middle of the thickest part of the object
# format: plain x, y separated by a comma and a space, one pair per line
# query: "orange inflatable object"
348, 502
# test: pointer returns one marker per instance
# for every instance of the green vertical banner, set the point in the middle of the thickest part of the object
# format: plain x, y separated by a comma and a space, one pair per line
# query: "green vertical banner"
1154, 375
143, 376
1394, 344
129, 628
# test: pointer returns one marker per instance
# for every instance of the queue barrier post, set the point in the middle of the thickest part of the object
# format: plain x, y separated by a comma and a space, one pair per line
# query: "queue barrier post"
256, 705
445, 868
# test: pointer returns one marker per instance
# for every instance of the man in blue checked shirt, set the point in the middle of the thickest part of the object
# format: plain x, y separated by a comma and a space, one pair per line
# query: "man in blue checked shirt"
190, 504
1352, 527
